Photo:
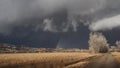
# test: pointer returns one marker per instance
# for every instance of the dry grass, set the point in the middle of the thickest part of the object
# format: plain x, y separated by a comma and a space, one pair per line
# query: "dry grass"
117, 56
43, 60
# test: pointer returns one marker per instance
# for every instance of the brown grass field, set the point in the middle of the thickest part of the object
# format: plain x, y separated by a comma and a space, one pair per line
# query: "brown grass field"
45, 60
117, 56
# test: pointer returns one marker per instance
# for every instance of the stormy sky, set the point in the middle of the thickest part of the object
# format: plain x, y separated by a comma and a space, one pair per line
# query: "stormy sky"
67, 23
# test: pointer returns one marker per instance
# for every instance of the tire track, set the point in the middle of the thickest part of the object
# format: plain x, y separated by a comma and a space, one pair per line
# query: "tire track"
80, 61
106, 61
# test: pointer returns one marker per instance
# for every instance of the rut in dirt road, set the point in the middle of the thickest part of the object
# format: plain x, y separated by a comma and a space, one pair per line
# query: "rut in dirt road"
106, 61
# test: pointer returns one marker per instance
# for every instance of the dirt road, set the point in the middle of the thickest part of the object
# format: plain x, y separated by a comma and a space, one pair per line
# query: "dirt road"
106, 61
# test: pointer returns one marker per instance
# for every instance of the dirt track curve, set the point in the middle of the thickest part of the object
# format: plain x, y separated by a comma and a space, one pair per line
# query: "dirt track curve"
106, 61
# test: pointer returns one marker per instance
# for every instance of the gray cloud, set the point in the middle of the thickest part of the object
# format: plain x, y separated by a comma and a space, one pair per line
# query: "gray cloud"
40, 21
13, 11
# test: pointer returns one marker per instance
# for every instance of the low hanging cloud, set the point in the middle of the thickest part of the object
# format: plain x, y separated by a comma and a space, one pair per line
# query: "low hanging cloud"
14, 12
106, 24
48, 25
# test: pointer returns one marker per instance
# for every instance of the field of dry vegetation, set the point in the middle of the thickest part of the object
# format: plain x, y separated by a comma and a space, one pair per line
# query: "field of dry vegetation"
117, 56
44, 60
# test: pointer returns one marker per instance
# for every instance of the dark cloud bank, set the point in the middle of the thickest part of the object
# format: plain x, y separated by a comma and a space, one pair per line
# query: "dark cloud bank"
67, 23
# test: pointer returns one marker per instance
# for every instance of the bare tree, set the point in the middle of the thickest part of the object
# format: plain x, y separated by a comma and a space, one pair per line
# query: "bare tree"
98, 43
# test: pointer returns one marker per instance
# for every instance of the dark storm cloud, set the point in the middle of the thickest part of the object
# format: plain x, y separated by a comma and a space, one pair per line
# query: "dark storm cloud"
12, 11
44, 22
77, 39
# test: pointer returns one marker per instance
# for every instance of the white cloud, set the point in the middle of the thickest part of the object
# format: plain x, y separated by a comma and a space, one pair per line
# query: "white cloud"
48, 25
106, 24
